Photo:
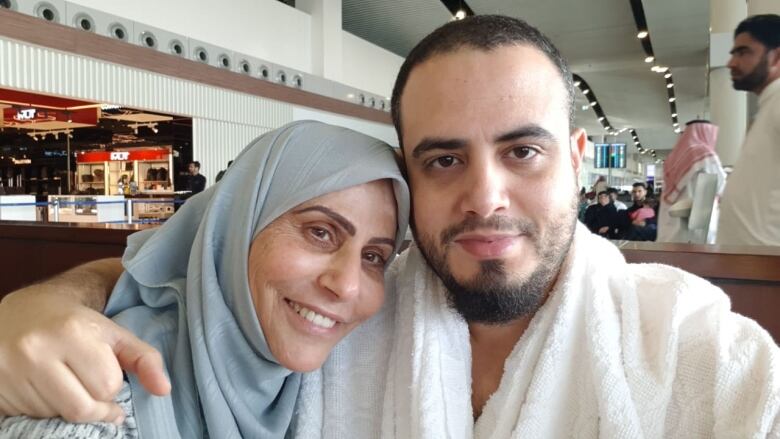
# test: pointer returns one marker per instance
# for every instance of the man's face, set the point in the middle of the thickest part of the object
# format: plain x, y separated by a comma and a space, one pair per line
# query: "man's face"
193, 169
613, 196
492, 167
604, 199
752, 66
638, 193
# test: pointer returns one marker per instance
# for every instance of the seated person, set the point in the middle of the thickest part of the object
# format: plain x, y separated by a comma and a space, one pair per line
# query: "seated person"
602, 217
639, 226
646, 211
248, 284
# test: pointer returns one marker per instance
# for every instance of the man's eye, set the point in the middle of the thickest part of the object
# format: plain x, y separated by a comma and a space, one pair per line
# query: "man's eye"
444, 162
523, 152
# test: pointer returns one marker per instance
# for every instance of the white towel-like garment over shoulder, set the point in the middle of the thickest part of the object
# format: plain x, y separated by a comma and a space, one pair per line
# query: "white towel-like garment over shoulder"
618, 351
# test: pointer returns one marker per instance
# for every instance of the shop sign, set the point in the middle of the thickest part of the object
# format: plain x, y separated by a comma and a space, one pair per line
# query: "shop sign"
26, 114
21, 161
123, 156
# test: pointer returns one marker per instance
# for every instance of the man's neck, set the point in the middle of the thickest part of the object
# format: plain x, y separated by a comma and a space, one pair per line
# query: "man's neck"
490, 347
763, 87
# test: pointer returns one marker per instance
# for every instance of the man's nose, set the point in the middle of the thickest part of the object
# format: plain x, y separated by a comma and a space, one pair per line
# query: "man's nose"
485, 189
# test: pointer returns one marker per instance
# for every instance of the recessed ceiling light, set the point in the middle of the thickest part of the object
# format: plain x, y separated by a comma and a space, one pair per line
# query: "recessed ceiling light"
670, 85
577, 83
650, 59
593, 104
668, 75
586, 91
601, 118
460, 15
672, 99
642, 34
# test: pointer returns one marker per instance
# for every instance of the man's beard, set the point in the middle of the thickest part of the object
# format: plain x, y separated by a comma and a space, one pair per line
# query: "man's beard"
493, 296
754, 79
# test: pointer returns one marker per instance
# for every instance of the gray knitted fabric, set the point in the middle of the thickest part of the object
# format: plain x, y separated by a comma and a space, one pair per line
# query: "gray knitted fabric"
23, 427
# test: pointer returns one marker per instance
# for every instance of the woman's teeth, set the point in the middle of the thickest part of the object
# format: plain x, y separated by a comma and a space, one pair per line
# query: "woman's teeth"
316, 319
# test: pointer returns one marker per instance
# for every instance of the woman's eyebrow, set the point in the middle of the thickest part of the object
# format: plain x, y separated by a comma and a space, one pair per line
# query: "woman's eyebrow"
343, 222
387, 241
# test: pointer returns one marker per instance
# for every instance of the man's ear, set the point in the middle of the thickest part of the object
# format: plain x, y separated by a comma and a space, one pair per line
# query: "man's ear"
774, 58
577, 143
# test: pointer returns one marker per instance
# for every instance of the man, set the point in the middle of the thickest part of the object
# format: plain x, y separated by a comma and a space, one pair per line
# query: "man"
613, 195
692, 166
637, 229
196, 182
602, 218
750, 209
507, 319
222, 172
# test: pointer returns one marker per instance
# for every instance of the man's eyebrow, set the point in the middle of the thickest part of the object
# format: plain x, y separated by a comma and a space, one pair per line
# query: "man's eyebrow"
529, 131
431, 143
343, 222
738, 49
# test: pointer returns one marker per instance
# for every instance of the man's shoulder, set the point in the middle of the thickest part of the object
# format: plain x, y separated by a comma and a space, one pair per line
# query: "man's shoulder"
693, 308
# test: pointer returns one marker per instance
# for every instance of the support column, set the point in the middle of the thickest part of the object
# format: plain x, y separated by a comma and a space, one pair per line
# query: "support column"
326, 38
728, 107
756, 7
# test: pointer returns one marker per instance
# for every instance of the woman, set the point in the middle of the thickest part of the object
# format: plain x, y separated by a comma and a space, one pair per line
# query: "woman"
255, 278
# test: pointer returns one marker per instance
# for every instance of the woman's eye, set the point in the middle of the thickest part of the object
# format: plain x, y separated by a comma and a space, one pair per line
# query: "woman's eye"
320, 233
523, 152
444, 162
374, 258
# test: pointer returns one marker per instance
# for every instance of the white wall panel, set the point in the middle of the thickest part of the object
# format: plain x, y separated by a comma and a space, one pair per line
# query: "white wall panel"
41, 70
217, 142
265, 29
381, 131
368, 67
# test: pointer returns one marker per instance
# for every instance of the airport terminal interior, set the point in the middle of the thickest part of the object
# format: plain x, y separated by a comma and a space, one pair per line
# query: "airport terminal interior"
117, 115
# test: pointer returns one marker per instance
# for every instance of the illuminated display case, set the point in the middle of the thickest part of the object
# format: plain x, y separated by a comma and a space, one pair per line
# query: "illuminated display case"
126, 172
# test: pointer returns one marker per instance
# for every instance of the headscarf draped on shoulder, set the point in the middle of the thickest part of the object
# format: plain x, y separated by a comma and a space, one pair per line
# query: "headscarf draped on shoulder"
185, 289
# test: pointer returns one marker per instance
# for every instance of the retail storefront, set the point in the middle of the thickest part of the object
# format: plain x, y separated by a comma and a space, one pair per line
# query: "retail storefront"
79, 160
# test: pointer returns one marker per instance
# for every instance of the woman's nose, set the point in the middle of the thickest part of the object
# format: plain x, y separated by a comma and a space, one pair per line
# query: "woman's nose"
342, 277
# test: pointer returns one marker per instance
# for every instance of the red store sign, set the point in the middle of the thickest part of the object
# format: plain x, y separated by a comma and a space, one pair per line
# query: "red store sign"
124, 156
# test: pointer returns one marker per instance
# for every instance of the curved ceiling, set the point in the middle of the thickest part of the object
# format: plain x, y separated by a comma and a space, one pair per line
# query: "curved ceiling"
597, 37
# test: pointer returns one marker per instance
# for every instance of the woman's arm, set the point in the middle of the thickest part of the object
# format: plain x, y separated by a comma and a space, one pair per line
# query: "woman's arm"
59, 356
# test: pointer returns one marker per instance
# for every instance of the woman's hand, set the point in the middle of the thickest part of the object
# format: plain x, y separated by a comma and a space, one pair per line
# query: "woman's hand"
61, 358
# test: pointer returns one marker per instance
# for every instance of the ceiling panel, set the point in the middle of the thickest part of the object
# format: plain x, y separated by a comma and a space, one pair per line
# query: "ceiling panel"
597, 37
395, 25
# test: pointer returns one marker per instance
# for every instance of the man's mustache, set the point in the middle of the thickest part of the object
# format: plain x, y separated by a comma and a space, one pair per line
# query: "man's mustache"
496, 223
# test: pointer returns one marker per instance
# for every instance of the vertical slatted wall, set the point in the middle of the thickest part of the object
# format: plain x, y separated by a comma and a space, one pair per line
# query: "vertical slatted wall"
223, 121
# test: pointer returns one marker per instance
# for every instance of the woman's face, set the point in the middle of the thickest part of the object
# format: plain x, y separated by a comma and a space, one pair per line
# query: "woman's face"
317, 271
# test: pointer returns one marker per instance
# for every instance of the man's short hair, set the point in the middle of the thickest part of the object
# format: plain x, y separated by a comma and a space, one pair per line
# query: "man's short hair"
197, 164
640, 184
603, 193
482, 32
612, 190
763, 28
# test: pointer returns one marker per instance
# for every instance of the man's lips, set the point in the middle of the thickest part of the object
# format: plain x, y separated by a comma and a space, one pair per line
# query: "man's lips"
487, 246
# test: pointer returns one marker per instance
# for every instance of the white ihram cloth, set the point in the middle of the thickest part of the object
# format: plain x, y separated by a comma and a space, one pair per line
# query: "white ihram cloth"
750, 207
618, 351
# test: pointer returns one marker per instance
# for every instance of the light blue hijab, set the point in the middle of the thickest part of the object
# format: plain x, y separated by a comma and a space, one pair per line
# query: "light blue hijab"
185, 288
